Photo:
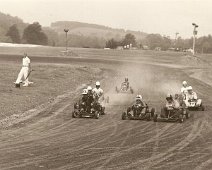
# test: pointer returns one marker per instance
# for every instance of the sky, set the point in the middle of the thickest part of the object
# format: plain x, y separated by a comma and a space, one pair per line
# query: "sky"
151, 16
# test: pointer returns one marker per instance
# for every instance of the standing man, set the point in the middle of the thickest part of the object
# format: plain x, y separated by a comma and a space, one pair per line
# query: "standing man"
99, 97
184, 90
24, 73
98, 92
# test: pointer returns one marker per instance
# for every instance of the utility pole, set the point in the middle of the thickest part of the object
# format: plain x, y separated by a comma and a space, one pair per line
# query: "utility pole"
194, 36
175, 42
66, 32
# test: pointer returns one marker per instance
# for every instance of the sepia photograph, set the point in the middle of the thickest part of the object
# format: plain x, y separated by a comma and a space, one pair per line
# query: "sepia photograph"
105, 85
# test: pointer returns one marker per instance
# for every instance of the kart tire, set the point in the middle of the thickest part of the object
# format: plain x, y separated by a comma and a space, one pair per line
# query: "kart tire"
181, 119
107, 99
148, 116
124, 116
187, 114
74, 114
202, 108
103, 111
163, 113
131, 90
155, 117
152, 112
96, 115
117, 91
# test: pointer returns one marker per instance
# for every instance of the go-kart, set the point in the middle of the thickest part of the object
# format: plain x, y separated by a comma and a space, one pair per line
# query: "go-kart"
135, 113
170, 114
125, 88
192, 105
99, 104
81, 110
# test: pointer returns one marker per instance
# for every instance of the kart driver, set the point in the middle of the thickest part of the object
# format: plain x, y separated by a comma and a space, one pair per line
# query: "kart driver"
171, 103
184, 89
90, 98
139, 104
126, 82
177, 101
84, 99
191, 95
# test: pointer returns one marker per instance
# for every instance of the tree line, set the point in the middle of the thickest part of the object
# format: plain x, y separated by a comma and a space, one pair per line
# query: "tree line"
155, 41
33, 34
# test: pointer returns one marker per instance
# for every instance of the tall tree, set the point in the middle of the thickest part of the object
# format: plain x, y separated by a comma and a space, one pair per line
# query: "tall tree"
33, 34
129, 39
111, 44
154, 40
13, 33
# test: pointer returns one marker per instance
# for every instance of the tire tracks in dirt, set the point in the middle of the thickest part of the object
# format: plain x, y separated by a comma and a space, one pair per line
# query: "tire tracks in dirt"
158, 158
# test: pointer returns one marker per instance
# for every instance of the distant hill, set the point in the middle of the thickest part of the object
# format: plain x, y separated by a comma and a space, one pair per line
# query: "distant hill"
80, 34
94, 30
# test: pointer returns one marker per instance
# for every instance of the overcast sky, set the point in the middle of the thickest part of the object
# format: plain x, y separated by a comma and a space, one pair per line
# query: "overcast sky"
152, 16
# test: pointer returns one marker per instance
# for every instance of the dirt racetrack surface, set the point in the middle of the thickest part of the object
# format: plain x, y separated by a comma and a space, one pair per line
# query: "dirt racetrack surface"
52, 139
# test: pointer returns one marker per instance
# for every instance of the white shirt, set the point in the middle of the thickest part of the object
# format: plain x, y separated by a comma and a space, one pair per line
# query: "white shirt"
184, 90
26, 62
97, 92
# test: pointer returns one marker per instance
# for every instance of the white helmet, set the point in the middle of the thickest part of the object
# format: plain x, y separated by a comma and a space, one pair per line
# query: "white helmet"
169, 95
97, 83
85, 91
139, 97
185, 83
89, 88
189, 88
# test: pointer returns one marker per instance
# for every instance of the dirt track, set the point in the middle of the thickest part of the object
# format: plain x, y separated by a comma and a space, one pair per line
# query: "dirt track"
54, 140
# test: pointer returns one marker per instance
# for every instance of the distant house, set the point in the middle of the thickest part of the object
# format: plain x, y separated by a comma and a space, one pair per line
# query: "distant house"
171, 49
157, 48
120, 48
189, 50
145, 47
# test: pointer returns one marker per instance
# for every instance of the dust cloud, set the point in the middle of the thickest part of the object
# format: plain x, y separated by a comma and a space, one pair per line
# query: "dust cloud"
152, 82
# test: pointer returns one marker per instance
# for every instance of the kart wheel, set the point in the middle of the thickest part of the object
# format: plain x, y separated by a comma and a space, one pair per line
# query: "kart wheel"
74, 114
107, 99
202, 108
155, 117
96, 115
181, 120
131, 90
117, 91
148, 116
163, 113
124, 116
187, 114
103, 111
152, 112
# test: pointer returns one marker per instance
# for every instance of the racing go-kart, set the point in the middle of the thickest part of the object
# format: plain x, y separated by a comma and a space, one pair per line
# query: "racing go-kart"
170, 114
135, 113
81, 110
125, 88
192, 105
